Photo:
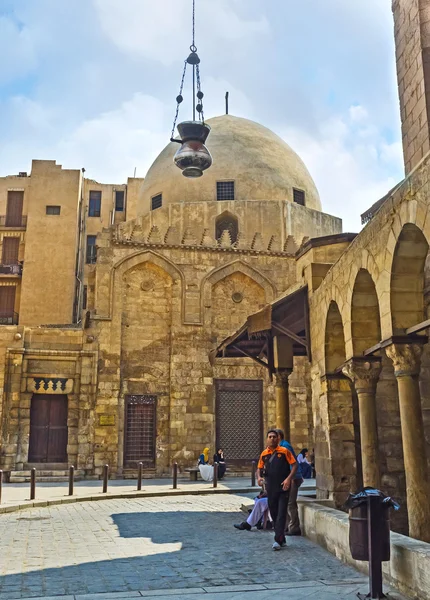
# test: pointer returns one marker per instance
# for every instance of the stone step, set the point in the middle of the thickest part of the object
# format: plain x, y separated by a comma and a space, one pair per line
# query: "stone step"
44, 476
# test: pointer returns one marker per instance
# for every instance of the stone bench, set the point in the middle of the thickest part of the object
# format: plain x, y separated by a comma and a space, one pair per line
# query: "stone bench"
193, 473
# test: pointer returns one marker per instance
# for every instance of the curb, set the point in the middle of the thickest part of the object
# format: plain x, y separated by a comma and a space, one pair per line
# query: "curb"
9, 508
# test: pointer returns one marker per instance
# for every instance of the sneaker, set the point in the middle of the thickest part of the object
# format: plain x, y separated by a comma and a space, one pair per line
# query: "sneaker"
276, 546
297, 532
283, 544
242, 526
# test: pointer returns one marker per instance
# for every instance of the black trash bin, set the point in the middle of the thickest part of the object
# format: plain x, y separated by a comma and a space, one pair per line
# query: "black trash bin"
359, 527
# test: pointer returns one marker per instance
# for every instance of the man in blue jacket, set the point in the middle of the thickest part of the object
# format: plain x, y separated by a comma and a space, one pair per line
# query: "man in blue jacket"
293, 521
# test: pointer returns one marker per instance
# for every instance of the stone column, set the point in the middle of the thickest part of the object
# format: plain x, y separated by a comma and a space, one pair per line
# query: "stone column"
282, 401
364, 373
407, 362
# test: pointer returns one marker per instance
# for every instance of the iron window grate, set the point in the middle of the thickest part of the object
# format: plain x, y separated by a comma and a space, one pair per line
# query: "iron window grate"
299, 197
225, 190
156, 201
140, 429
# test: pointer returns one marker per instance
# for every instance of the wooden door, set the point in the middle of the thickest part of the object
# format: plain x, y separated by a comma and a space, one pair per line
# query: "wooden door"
48, 429
7, 304
10, 250
239, 419
140, 430
15, 202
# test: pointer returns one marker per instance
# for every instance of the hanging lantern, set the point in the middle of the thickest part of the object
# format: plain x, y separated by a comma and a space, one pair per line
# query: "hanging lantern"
192, 157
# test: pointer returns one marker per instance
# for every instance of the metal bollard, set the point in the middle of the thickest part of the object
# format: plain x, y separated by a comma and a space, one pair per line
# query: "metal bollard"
139, 477
1, 483
33, 484
105, 478
254, 466
215, 475
71, 479
175, 475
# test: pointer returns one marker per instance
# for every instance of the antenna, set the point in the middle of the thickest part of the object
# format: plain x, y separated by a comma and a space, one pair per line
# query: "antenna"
226, 103
134, 172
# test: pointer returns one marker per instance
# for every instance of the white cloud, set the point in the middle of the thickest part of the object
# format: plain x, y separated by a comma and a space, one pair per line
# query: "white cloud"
162, 30
349, 167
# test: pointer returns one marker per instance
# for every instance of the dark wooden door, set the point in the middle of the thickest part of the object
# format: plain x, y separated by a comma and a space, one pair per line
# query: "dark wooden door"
239, 419
48, 429
140, 430
10, 250
15, 202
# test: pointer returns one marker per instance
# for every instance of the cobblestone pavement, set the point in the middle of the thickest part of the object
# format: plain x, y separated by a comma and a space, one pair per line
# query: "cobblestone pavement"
150, 544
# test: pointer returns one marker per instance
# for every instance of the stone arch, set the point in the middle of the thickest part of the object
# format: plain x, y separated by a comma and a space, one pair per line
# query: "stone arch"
142, 256
407, 278
227, 221
365, 316
334, 345
223, 271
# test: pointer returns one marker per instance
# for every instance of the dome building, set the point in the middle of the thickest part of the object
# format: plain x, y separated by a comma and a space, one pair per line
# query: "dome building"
261, 165
154, 274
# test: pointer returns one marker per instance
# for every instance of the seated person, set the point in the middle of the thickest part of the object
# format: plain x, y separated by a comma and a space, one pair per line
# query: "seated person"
305, 465
206, 470
222, 467
256, 518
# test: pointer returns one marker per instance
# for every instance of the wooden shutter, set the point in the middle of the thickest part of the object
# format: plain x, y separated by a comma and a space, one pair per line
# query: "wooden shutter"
15, 202
10, 250
7, 302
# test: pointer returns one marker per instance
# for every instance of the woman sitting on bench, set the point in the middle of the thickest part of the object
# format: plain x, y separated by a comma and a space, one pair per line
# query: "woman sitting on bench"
206, 470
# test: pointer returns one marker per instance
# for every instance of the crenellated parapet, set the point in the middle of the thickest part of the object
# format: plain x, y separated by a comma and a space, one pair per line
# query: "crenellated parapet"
141, 233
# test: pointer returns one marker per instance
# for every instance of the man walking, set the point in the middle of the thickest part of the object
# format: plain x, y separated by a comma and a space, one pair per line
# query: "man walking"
278, 466
293, 520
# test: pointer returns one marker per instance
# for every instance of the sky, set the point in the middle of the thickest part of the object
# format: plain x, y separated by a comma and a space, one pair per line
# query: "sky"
92, 83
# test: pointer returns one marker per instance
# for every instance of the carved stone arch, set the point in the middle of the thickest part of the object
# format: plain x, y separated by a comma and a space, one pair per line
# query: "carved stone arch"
227, 221
235, 266
137, 258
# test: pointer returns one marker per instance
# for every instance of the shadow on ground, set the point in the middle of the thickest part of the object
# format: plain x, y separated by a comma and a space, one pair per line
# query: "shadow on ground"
177, 549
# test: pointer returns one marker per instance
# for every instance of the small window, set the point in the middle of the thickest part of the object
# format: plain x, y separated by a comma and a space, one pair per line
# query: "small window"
225, 190
299, 197
53, 210
95, 203
84, 298
227, 221
91, 255
156, 201
119, 201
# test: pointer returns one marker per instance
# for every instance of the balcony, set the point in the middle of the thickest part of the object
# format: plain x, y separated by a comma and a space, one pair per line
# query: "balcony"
15, 269
13, 221
9, 318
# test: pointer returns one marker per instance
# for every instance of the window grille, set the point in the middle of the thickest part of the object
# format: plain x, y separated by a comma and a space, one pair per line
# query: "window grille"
225, 190
299, 197
140, 430
94, 208
156, 201
53, 210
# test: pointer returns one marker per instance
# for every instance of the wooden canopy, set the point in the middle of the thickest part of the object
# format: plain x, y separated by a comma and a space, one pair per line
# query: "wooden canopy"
286, 318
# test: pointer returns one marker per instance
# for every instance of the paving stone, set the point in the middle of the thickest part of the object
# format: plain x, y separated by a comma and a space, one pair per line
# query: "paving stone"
164, 547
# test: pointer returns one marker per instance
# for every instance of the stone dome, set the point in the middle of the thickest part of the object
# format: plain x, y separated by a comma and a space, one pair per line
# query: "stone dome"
260, 163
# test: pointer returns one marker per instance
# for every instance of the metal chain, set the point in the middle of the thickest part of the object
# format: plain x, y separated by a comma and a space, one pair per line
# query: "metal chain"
178, 103
201, 114
194, 22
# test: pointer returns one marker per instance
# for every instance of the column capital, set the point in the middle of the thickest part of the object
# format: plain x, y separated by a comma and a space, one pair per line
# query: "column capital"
363, 372
406, 358
281, 376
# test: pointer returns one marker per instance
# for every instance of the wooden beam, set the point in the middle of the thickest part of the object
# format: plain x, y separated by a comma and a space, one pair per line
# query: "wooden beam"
257, 360
373, 349
290, 334
420, 327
